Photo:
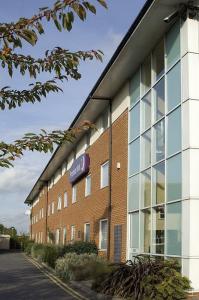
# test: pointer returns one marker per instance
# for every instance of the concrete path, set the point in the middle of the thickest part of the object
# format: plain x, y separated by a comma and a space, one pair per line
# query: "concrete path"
21, 280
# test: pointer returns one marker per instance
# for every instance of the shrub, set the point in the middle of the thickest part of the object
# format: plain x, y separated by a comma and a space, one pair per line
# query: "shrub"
50, 254
28, 247
146, 278
37, 251
80, 266
81, 247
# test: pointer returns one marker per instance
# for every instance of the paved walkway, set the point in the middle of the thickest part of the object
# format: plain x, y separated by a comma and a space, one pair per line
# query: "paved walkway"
21, 280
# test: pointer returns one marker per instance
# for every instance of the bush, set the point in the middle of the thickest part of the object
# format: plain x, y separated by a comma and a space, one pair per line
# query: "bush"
80, 266
37, 251
146, 278
28, 247
50, 254
80, 247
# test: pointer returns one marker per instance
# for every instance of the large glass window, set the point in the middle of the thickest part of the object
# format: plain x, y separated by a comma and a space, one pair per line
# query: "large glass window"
173, 45
174, 132
174, 215
146, 230
173, 87
174, 178
158, 233
135, 88
159, 100
146, 112
159, 183
135, 122
146, 75
133, 202
103, 235
146, 149
158, 61
134, 157
134, 230
104, 175
146, 188
159, 141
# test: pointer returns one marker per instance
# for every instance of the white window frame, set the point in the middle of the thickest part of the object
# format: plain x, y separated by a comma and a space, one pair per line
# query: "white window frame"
57, 236
64, 235
65, 199
72, 233
85, 226
101, 174
52, 208
100, 235
86, 186
74, 193
49, 210
59, 203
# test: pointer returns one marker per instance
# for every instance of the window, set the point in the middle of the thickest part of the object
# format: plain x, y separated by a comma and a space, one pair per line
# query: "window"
158, 61
74, 194
159, 141
135, 88
174, 178
57, 237
146, 231
105, 175
146, 112
105, 120
159, 100
146, 75
134, 231
59, 203
87, 232
42, 213
52, 208
88, 185
174, 132
64, 236
159, 183
49, 210
146, 149
173, 87
158, 230
72, 233
133, 202
135, 122
103, 241
65, 199
173, 45
146, 188
134, 157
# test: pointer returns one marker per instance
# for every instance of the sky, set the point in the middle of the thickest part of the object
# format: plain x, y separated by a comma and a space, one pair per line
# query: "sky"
103, 31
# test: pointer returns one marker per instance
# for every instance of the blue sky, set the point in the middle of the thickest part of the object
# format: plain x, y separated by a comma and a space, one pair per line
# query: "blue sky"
103, 31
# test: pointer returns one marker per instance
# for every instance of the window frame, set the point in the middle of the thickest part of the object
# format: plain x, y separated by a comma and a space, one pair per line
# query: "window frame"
86, 185
65, 199
100, 235
74, 193
85, 226
101, 175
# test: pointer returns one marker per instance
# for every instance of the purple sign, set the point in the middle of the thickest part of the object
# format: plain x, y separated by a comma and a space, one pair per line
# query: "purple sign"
79, 168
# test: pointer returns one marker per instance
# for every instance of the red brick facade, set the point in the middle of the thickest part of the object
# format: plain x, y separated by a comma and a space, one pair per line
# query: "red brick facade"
93, 208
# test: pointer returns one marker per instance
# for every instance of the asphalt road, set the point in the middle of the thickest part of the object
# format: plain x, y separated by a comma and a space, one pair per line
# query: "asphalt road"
21, 280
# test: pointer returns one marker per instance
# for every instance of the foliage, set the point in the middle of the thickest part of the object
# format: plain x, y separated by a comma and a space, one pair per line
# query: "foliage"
80, 266
62, 63
37, 251
81, 247
50, 254
28, 247
146, 278
8, 230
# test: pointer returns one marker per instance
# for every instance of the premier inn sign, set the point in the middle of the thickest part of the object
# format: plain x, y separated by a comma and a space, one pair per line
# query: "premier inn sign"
80, 167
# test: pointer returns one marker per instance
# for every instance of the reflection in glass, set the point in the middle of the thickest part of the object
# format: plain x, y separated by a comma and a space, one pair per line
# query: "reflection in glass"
146, 188
174, 218
174, 178
134, 157
133, 193
135, 122
146, 149
159, 183
135, 88
158, 232
146, 112
173, 87
159, 141
146, 75
159, 100
173, 45
146, 231
134, 230
158, 61
174, 132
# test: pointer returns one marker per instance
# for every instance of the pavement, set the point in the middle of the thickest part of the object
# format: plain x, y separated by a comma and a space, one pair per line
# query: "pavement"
22, 280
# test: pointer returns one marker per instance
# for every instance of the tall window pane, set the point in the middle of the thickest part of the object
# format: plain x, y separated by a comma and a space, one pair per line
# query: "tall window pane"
104, 175
134, 157
103, 234
158, 60
135, 122
133, 193
146, 188
158, 230
174, 178
134, 230
146, 231
174, 216
159, 141
173, 87
146, 149
159, 100
146, 75
174, 132
135, 88
159, 183
146, 112
173, 44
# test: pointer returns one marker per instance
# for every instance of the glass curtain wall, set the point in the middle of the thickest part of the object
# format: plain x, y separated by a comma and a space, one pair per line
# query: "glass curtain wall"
155, 160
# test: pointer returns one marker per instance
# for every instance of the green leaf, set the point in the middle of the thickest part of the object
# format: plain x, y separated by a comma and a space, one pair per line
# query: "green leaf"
57, 24
103, 3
